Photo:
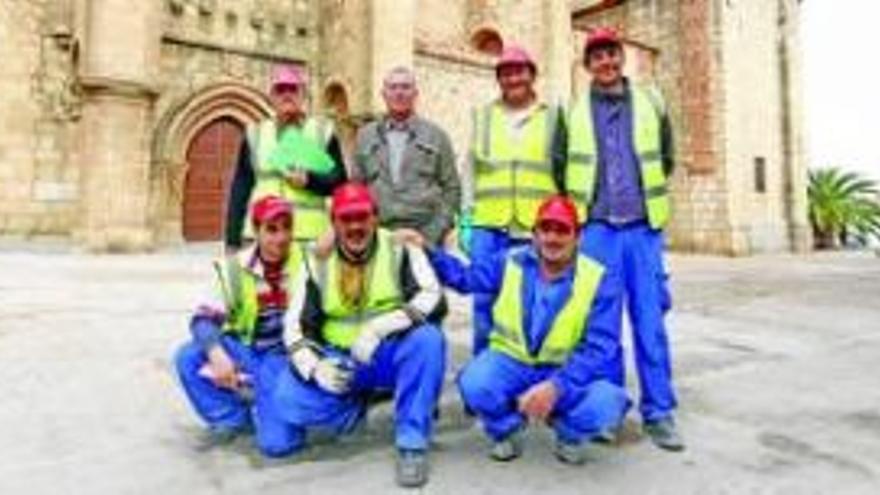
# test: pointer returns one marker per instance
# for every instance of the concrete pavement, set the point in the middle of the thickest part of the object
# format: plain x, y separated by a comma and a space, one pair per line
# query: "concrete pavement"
776, 361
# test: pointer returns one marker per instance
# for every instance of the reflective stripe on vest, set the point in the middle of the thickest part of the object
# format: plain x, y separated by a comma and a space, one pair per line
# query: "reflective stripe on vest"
509, 336
581, 169
343, 321
309, 208
239, 287
511, 177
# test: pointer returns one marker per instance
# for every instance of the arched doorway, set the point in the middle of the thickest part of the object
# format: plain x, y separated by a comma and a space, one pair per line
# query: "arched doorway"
210, 159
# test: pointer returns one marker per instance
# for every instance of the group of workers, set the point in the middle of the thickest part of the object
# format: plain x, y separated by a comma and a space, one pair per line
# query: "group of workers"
312, 313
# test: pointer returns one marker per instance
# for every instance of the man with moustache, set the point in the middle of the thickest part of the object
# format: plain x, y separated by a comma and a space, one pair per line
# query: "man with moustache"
266, 167
516, 159
619, 159
551, 340
229, 367
408, 163
363, 319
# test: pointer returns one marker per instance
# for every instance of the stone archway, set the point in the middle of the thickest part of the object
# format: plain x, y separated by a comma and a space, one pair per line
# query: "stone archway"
184, 125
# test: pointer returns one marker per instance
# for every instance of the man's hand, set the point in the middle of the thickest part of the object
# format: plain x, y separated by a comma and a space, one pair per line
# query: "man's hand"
365, 345
324, 244
538, 401
410, 236
222, 368
298, 179
332, 376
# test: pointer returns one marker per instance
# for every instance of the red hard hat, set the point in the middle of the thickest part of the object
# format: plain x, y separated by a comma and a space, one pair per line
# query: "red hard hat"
559, 208
601, 36
352, 197
515, 55
270, 207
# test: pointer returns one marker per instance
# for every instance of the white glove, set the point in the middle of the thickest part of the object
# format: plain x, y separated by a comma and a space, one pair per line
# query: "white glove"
332, 376
365, 345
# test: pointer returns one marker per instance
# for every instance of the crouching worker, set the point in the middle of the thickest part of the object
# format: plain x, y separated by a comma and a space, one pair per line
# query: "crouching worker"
228, 369
551, 342
360, 322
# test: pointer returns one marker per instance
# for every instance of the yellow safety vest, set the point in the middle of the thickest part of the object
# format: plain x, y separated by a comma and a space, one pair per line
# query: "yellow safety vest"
509, 336
511, 177
310, 208
239, 288
581, 173
344, 321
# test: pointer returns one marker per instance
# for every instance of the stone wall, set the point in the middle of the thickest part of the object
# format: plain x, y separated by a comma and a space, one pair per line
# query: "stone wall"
40, 108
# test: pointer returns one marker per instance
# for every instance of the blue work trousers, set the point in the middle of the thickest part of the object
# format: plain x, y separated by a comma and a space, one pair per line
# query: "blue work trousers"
224, 409
491, 383
410, 364
633, 259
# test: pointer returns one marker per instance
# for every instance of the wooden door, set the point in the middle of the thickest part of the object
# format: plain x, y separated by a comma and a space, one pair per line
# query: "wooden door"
211, 164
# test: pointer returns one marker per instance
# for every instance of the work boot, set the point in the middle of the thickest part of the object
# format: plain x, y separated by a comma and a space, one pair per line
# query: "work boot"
664, 434
605, 436
218, 436
412, 468
509, 448
574, 454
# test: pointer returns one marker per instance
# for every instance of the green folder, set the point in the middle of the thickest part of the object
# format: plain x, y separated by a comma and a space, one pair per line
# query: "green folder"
295, 151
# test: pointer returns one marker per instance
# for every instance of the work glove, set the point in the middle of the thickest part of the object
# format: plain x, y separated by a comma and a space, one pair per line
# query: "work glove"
332, 375
365, 345
465, 231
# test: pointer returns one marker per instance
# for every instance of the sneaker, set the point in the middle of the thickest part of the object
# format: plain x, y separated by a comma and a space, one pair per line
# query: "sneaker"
574, 454
508, 449
664, 434
412, 468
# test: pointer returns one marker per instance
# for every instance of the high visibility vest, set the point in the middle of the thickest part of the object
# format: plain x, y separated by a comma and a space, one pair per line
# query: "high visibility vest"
511, 177
382, 292
581, 173
509, 336
239, 288
310, 208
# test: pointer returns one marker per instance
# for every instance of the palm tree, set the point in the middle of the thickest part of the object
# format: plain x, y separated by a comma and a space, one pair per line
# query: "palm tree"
843, 204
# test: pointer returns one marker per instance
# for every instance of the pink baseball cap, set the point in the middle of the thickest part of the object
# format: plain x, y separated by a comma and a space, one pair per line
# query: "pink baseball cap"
288, 75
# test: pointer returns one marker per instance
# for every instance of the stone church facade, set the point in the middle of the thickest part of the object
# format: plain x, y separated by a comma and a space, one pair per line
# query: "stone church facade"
120, 120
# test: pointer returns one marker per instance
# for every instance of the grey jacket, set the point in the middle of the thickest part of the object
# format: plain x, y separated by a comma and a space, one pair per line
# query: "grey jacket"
428, 195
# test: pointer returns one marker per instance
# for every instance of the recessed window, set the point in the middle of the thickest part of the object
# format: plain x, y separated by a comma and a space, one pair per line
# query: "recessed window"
760, 174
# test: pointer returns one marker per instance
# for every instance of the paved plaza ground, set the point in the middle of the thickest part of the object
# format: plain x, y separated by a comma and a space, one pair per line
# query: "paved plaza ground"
777, 361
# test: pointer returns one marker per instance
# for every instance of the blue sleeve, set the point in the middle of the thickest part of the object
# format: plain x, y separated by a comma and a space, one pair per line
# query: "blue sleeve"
480, 276
598, 346
205, 331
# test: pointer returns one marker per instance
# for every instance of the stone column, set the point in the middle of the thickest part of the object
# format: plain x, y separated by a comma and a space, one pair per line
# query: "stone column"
393, 42
556, 66
120, 58
795, 173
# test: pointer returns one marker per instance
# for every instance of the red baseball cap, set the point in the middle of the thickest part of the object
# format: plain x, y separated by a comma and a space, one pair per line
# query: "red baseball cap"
516, 55
288, 75
270, 207
352, 197
601, 36
559, 208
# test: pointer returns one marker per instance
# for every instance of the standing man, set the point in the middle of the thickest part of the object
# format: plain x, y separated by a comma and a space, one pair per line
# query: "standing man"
552, 339
408, 163
517, 159
290, 155
619, 158
363, 320
228, 370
